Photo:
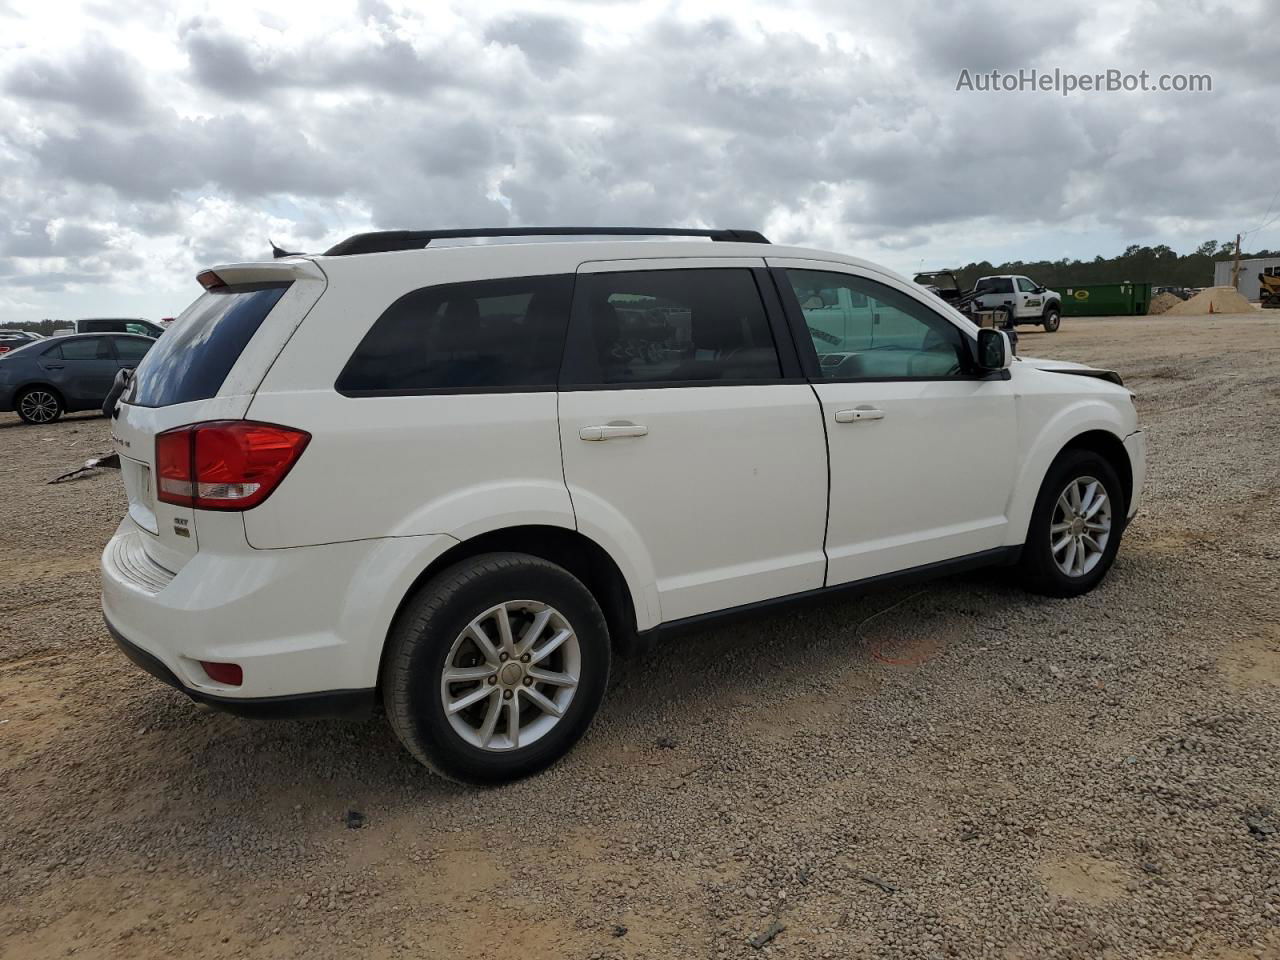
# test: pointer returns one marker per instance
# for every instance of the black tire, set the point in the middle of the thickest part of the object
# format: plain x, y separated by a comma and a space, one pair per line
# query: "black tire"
1052, 318
424, 634
39, 405
1040, 571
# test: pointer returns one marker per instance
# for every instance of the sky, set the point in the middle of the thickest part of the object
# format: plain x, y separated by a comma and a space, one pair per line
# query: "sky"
141, 141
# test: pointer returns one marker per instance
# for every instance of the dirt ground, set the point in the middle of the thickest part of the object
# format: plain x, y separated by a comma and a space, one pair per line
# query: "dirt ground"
959, 770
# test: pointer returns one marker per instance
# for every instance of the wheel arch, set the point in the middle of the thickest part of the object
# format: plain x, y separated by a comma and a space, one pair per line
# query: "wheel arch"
41, 383
1111, 448
1088, 423
565, 547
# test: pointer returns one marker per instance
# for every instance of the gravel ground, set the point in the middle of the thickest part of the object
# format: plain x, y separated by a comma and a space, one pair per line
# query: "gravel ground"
957, 771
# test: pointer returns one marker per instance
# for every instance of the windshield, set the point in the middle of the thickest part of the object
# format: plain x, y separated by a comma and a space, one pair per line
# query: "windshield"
195, 355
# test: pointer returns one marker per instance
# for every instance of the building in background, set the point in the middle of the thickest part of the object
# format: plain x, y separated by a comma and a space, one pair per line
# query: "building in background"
1247, 282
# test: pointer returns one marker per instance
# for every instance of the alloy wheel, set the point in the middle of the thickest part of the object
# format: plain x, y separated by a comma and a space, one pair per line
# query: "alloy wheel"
510, 675
1080, 526
38, 406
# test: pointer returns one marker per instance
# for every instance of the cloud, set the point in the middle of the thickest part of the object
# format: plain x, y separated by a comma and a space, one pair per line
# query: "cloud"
98, 80
547, 41
173, 137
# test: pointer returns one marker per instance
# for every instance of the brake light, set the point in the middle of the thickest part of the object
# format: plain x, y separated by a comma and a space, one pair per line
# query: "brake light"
225, 464
210, 280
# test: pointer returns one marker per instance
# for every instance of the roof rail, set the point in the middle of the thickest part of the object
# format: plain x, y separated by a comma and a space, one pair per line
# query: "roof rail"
383, 241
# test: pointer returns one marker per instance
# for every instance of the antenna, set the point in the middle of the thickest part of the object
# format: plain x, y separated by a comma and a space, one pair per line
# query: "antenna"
277, 252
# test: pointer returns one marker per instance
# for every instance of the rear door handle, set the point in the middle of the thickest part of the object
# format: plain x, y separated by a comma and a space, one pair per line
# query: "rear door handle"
53, 366
859, 413
612, 431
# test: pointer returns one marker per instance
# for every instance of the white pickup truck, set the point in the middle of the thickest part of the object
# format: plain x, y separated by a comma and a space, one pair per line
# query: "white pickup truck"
1027, 300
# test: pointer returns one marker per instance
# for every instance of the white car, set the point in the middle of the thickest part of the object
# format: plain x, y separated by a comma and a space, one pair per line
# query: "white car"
1026, 300
456, 480
136, 325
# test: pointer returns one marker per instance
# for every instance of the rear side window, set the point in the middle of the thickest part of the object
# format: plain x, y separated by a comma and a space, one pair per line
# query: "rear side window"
995, 285
195, 355
671, 326
88, 348
476, 336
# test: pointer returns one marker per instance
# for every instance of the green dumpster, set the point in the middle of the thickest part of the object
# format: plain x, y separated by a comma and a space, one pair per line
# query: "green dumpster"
1107, 300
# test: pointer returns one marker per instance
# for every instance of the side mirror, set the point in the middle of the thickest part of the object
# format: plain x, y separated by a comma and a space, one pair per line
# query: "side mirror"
1041, 289
994, 351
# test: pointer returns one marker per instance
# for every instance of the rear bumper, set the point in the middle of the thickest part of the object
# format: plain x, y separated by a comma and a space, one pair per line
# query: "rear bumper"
304, 624
1136, 446
350, 704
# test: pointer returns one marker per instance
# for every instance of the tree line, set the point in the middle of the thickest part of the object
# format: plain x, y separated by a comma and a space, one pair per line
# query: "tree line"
1160, 265
43, 327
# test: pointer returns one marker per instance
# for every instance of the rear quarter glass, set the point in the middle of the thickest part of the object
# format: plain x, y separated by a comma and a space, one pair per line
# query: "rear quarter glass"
194, 356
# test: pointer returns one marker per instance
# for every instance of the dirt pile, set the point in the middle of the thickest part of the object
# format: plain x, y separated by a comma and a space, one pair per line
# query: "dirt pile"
1221, 299
1162, 302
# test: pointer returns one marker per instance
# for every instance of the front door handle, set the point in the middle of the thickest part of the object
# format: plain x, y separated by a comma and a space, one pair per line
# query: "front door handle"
859, 413
53, 366
612, 431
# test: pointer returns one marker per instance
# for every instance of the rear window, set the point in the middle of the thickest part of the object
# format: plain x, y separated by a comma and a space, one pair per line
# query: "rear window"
475, 336
195, 355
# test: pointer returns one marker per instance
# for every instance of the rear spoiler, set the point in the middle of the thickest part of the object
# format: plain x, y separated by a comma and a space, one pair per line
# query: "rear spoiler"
266, 271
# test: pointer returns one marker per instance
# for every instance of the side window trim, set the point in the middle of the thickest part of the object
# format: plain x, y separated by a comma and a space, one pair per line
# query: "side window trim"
809, 355
576, 369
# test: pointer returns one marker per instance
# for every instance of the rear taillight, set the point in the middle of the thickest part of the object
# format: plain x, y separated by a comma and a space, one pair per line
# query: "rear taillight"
225, 464
4, 349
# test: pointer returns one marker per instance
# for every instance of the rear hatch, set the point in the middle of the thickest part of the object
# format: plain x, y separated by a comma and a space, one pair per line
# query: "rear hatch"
206, 366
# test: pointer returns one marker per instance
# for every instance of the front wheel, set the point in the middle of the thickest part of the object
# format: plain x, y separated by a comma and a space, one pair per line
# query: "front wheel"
496, 668
38, 405
1075, 527
1052, 319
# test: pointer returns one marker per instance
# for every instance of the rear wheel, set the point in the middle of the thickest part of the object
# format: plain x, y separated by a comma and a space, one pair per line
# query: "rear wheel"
496, 668
38, 405
1075, 527
1052, 319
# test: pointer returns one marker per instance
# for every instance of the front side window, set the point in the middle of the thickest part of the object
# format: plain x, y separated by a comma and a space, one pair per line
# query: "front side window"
1026, 286
671, 326
475, 336
863, 329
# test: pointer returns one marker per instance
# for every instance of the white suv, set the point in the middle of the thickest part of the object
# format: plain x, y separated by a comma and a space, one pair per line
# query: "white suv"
456, 480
